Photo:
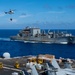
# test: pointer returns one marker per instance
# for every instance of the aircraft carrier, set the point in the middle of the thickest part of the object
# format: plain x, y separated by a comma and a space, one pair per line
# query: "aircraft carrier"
37, 35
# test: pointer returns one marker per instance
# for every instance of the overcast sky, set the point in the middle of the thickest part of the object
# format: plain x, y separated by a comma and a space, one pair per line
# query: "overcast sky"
47, 14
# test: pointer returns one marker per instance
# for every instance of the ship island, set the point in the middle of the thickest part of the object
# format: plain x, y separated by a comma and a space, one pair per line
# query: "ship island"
37, 35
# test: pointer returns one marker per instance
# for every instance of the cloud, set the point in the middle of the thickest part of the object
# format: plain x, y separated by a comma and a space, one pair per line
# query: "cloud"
2, 14
24, 16
54, 12
14, 20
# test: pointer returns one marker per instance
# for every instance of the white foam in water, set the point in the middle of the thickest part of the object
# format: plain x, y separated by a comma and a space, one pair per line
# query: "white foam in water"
30, 42
5, 39
63, 42
44, 42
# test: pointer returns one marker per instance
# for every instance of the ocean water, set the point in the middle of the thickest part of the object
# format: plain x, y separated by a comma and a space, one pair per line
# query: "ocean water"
18, 48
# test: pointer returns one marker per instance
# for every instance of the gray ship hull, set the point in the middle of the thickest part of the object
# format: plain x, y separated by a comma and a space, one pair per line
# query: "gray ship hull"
59, 40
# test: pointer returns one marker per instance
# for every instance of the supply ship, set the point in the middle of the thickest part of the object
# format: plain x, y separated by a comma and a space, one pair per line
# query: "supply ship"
40, 36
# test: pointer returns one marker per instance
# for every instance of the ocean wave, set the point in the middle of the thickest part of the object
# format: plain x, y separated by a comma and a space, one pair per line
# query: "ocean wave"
4, 39
44, 42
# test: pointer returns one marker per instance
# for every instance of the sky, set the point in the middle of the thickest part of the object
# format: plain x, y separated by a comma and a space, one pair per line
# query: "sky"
46, 14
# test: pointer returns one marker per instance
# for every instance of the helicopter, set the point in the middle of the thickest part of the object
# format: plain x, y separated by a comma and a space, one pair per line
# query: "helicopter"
10, 12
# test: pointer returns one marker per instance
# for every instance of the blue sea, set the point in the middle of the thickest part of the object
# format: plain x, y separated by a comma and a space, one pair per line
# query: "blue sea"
19, 48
